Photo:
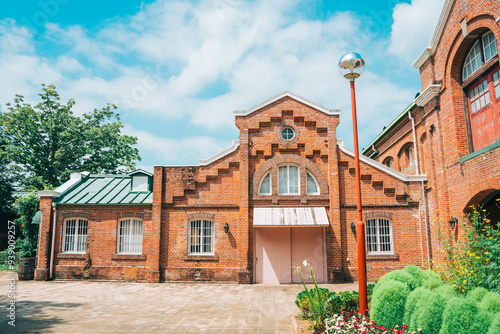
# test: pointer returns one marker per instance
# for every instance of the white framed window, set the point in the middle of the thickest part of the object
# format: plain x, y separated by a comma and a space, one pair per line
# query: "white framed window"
288, 180
479, 97
312, 185
265, 185
139, 183
496, 83
379, 236
410, 155
287, 133
130, 236
201, 237
473, 61
489, 46
75, 236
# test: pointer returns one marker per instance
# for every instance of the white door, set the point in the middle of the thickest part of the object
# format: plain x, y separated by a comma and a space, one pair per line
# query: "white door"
279, 249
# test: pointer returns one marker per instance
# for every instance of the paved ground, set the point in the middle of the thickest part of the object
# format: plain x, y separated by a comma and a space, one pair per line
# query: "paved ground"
113, 307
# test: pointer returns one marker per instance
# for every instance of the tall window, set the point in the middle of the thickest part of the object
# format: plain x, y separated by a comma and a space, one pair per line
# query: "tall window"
201, 237
130, 236
379, 236
479, 96
496, 83
312, 185
410, 155
483, 50
288, 180
265, 185
75, 236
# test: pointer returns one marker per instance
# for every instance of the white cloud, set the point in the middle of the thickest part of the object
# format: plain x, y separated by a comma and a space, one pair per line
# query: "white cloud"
413, 27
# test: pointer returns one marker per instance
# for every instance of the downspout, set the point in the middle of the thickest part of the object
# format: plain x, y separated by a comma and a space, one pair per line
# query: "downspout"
53, 241
375, 152
423, 187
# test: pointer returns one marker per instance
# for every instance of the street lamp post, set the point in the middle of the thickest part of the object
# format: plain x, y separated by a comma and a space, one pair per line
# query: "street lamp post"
351, 66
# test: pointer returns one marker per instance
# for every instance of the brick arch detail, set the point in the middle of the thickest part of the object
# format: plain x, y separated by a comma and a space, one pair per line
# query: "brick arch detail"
75, 214
378, 214
477, 191
290, 159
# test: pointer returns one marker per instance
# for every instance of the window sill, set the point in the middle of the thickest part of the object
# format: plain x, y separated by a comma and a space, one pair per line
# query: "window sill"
382, 257
137, 257
201, 257
72, 256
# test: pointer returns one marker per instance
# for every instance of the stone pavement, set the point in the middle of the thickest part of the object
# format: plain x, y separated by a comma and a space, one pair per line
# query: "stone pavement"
116, 307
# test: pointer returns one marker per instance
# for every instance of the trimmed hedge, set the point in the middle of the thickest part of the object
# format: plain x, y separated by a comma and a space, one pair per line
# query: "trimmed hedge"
413, 303
477, 294
388, 302
458, 316
430, 315
490, 302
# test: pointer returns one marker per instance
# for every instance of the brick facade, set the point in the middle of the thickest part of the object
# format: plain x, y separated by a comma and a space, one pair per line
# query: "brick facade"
460, 171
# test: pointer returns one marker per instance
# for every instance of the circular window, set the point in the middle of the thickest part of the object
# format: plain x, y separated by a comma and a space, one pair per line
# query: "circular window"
287, 133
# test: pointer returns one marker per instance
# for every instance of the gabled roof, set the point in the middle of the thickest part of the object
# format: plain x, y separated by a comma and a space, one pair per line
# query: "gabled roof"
139, 171
103, 189
436, 36
290, 95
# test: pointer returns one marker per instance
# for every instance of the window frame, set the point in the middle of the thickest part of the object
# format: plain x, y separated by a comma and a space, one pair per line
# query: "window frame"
491, 43
201, 237
287, 128
268, 174
130, 250
481, 48
137, 178
288, 193
378, 243
481, 84
78, 221
318, 191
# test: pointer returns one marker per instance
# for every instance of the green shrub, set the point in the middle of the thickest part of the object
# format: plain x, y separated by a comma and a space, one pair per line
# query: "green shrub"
490, 302
430, 315
400, 276
302, 300
343, 301
477, 294
495, 325
388, 302
458, 316
414, 302
431, 279
416, 272
482, 322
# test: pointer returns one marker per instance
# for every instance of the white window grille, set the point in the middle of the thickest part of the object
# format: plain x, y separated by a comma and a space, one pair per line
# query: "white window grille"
472, 62
379, 236
288, 180
130, 236
489, 46
75, 236
201, 237
265, 185
479, 97
312, 185
139, 183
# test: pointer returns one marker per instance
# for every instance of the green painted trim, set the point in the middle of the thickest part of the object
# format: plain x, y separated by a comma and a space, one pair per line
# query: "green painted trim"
389, 127
374, 154
479, 152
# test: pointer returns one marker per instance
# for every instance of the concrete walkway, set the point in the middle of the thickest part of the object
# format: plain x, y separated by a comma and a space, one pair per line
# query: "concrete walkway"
114, 307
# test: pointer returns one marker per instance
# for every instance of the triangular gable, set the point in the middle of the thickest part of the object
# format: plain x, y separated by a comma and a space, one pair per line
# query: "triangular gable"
436, 36
292, 96
139, 171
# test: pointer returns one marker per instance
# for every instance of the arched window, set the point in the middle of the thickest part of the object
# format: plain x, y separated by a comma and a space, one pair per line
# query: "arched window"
130, 236
265, 185
312, 185
388, 162
379, 236
288, 180
481, 51
410, 155
75, 235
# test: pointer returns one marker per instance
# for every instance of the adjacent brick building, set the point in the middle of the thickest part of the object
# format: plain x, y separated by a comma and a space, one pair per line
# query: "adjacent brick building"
451, 132
285, 191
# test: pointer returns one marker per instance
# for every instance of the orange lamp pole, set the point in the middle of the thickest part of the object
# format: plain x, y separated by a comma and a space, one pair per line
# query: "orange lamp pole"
360, 224
351, 66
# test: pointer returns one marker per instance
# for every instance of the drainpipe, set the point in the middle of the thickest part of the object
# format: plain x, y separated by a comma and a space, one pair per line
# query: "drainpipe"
53, 242
375, 152
423, 187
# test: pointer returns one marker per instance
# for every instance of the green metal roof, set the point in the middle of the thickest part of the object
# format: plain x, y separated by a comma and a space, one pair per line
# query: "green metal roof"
401, 116
105, 189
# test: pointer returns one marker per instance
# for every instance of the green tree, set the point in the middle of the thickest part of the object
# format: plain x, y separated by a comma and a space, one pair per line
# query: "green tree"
26, 207
47, 142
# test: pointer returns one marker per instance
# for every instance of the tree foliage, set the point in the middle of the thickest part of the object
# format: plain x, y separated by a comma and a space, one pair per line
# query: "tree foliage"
47, 142
26, 207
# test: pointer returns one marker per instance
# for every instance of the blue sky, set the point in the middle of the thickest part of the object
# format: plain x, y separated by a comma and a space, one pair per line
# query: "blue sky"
177, 69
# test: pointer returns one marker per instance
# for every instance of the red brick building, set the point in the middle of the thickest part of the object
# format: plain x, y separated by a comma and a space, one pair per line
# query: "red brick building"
451, 132
282, 194
285, 191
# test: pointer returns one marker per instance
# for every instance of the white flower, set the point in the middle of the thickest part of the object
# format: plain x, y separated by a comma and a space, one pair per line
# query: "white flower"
305, 263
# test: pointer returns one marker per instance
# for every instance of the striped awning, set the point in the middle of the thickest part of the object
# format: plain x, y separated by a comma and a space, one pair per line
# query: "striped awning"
290, 216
